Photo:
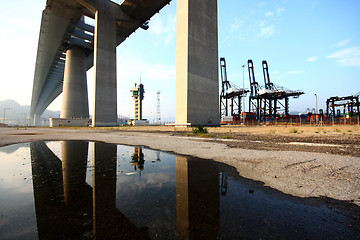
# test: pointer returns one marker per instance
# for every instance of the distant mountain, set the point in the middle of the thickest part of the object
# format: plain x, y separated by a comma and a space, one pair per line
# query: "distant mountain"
16, 113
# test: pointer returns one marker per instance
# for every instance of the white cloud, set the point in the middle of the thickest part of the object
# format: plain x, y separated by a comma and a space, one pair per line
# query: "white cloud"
347, 57
312, 59
269, 14
279, 11
261, 4
267, 31
295, 72
164, 29
235, 25
343, 43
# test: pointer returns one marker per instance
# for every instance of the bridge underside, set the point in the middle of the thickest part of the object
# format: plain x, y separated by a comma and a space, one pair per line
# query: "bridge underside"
68, 47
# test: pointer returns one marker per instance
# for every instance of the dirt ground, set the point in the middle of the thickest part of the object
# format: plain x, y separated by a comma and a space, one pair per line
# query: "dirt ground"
339, 139
304, 161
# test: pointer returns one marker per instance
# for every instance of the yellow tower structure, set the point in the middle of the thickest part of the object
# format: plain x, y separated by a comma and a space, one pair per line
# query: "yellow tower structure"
138, 95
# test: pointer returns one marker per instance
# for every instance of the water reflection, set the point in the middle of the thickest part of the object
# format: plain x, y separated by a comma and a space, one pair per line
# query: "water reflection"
137, 193
69, 208
197, 204
137, 159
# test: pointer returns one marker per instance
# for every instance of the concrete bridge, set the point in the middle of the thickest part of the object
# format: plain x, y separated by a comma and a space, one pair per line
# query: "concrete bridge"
68, 47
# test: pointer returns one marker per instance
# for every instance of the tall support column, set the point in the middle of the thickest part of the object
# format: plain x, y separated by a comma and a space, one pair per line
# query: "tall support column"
75, 95
105, 92
36, 119
197, 84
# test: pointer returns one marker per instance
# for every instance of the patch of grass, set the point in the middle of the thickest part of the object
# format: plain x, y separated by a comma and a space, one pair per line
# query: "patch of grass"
337, 130
199, 130
226, 137
294, 130
204, 135
349, 131
272, 131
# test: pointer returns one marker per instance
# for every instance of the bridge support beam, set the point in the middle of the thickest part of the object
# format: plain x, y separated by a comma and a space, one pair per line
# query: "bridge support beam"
105, 91
197, 84
75, 95
36, 119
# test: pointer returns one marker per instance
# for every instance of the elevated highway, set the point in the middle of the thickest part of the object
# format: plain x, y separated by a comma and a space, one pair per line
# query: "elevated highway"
63, 26
68, 47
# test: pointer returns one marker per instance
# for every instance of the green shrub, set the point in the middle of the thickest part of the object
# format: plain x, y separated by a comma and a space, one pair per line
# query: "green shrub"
294, 130
199, 130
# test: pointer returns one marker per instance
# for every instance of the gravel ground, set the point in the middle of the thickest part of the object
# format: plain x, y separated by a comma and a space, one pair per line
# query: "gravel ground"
301, 161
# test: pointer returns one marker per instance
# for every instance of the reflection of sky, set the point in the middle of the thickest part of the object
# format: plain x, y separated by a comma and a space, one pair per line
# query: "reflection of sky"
17, 209
151, 196
55, 147
11, 148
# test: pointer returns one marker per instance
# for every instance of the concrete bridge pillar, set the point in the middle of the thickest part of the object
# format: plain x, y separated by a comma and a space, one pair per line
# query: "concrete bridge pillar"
197, 84
105, 43
75, 95
36, 119
105, 91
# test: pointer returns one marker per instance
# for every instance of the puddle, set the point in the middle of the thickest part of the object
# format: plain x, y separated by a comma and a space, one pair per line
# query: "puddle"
83, 190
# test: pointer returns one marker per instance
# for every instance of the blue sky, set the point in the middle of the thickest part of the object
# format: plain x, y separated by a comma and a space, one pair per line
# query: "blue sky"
313, 46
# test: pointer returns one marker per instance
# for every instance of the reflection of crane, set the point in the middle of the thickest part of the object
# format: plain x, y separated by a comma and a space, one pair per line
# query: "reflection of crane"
223, 183
230, 95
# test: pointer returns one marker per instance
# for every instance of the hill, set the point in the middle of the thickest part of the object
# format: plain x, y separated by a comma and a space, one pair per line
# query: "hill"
16, 114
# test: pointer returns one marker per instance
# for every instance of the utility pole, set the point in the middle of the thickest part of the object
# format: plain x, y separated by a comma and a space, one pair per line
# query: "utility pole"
243, 96
316, 113
158, 115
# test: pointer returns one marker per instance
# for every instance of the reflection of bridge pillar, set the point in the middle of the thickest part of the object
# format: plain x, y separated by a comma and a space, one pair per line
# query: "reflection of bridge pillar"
197, 199
197, 85
182, 198
75, 95
104, 190
74, 160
